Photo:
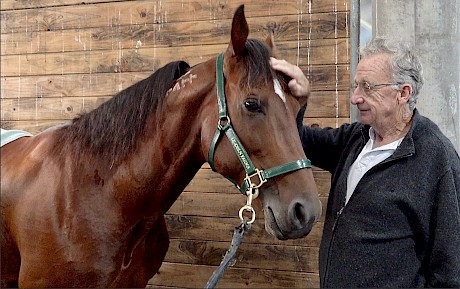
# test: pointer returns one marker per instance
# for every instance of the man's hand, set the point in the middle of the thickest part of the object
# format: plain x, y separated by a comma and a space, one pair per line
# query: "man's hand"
299, 84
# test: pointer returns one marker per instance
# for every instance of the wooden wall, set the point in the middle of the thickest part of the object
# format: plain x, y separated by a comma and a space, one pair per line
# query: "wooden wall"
63, 57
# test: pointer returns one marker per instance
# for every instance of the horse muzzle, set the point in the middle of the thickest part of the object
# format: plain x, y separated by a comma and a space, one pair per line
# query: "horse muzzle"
297, 222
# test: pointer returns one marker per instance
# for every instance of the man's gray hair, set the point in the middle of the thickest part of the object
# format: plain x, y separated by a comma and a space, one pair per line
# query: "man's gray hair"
405, 65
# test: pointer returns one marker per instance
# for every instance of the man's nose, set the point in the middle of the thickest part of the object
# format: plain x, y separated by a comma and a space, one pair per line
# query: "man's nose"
357, 97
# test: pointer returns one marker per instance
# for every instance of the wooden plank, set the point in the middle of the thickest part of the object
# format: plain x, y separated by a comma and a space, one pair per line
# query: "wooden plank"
327, 104
196, 276
15, 4
45, 108
107, 61
34, 127
315, 52
69, 85
151, 12
285, 28
322, 78
48, 108
325, 122
328, 77
221, 229
310, 5
326, 51
255, 256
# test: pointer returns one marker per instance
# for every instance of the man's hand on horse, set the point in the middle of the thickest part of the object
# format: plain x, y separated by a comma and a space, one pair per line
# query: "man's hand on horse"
299, 84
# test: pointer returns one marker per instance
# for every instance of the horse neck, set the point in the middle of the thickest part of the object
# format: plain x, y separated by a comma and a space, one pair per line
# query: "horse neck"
170, 154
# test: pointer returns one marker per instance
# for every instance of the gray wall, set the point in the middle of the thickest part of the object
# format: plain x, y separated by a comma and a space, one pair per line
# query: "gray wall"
433, 27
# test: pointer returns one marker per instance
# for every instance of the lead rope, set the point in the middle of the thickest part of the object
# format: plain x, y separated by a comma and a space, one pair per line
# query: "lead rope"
238, 234
229, 255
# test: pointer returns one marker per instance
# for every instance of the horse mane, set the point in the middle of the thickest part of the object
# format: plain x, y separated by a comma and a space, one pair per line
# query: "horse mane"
113, 129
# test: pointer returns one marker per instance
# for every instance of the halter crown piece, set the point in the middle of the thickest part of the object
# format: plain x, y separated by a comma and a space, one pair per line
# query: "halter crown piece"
247, 186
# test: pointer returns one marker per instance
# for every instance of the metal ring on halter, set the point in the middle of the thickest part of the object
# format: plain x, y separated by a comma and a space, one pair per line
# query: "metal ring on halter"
252, 185
249, 209
221, 124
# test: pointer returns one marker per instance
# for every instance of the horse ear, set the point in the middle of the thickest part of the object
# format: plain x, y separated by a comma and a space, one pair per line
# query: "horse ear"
270, 41
240, 32
181, 69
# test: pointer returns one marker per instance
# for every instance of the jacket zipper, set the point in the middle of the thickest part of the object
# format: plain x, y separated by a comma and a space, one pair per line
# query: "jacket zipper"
326, 274
337, 219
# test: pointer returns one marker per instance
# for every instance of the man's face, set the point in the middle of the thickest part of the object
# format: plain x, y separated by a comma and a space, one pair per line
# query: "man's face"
378, 105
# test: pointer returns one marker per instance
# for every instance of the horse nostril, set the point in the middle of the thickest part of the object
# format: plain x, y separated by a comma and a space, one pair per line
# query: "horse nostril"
300, 213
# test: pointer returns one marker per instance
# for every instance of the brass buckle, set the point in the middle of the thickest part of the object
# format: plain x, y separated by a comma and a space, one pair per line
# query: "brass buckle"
252, 185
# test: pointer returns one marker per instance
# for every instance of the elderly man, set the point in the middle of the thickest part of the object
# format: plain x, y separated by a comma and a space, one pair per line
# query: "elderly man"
393, 214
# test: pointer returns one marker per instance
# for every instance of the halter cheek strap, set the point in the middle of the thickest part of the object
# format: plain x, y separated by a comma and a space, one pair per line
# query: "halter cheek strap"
224, 126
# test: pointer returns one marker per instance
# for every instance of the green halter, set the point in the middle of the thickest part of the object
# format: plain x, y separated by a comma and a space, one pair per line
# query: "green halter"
224, 125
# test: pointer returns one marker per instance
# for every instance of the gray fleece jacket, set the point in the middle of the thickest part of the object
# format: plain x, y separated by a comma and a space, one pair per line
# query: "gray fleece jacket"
401, 227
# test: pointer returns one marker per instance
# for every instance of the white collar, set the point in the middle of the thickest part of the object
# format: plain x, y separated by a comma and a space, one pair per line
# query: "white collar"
390, 146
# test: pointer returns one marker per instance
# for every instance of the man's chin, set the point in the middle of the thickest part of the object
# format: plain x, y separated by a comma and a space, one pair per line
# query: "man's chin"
364, 117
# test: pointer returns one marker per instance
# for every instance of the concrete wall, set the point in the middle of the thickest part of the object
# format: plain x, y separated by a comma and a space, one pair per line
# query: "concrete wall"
433, 27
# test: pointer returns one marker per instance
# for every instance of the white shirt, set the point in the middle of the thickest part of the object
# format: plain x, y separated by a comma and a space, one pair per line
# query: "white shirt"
367, 159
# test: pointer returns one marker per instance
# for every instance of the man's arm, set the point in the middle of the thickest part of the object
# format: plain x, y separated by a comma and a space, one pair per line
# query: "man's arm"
444, 259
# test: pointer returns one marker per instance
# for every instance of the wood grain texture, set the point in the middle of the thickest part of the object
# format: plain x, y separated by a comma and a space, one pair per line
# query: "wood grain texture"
42, 15
319, 52
194, 276
255, 256
322, 105
323, 79
136, 36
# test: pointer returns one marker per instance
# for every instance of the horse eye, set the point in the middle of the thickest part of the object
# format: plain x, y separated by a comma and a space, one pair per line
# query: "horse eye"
252, 105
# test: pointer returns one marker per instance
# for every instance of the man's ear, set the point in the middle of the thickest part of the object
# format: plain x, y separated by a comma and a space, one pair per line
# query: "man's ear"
406, 92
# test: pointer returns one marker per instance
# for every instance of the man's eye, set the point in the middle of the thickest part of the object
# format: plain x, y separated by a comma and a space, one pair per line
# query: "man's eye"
366, 85
252, 105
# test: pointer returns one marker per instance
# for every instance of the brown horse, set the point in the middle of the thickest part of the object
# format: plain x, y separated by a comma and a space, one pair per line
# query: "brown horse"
83, 203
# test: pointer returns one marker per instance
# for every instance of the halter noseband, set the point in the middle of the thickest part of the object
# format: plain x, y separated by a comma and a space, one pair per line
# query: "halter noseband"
224, 125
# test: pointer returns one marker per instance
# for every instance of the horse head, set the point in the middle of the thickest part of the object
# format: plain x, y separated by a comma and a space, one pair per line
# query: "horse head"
262, 150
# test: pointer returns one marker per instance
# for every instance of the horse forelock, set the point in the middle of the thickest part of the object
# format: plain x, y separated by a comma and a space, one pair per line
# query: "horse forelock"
112, 130
257, 66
